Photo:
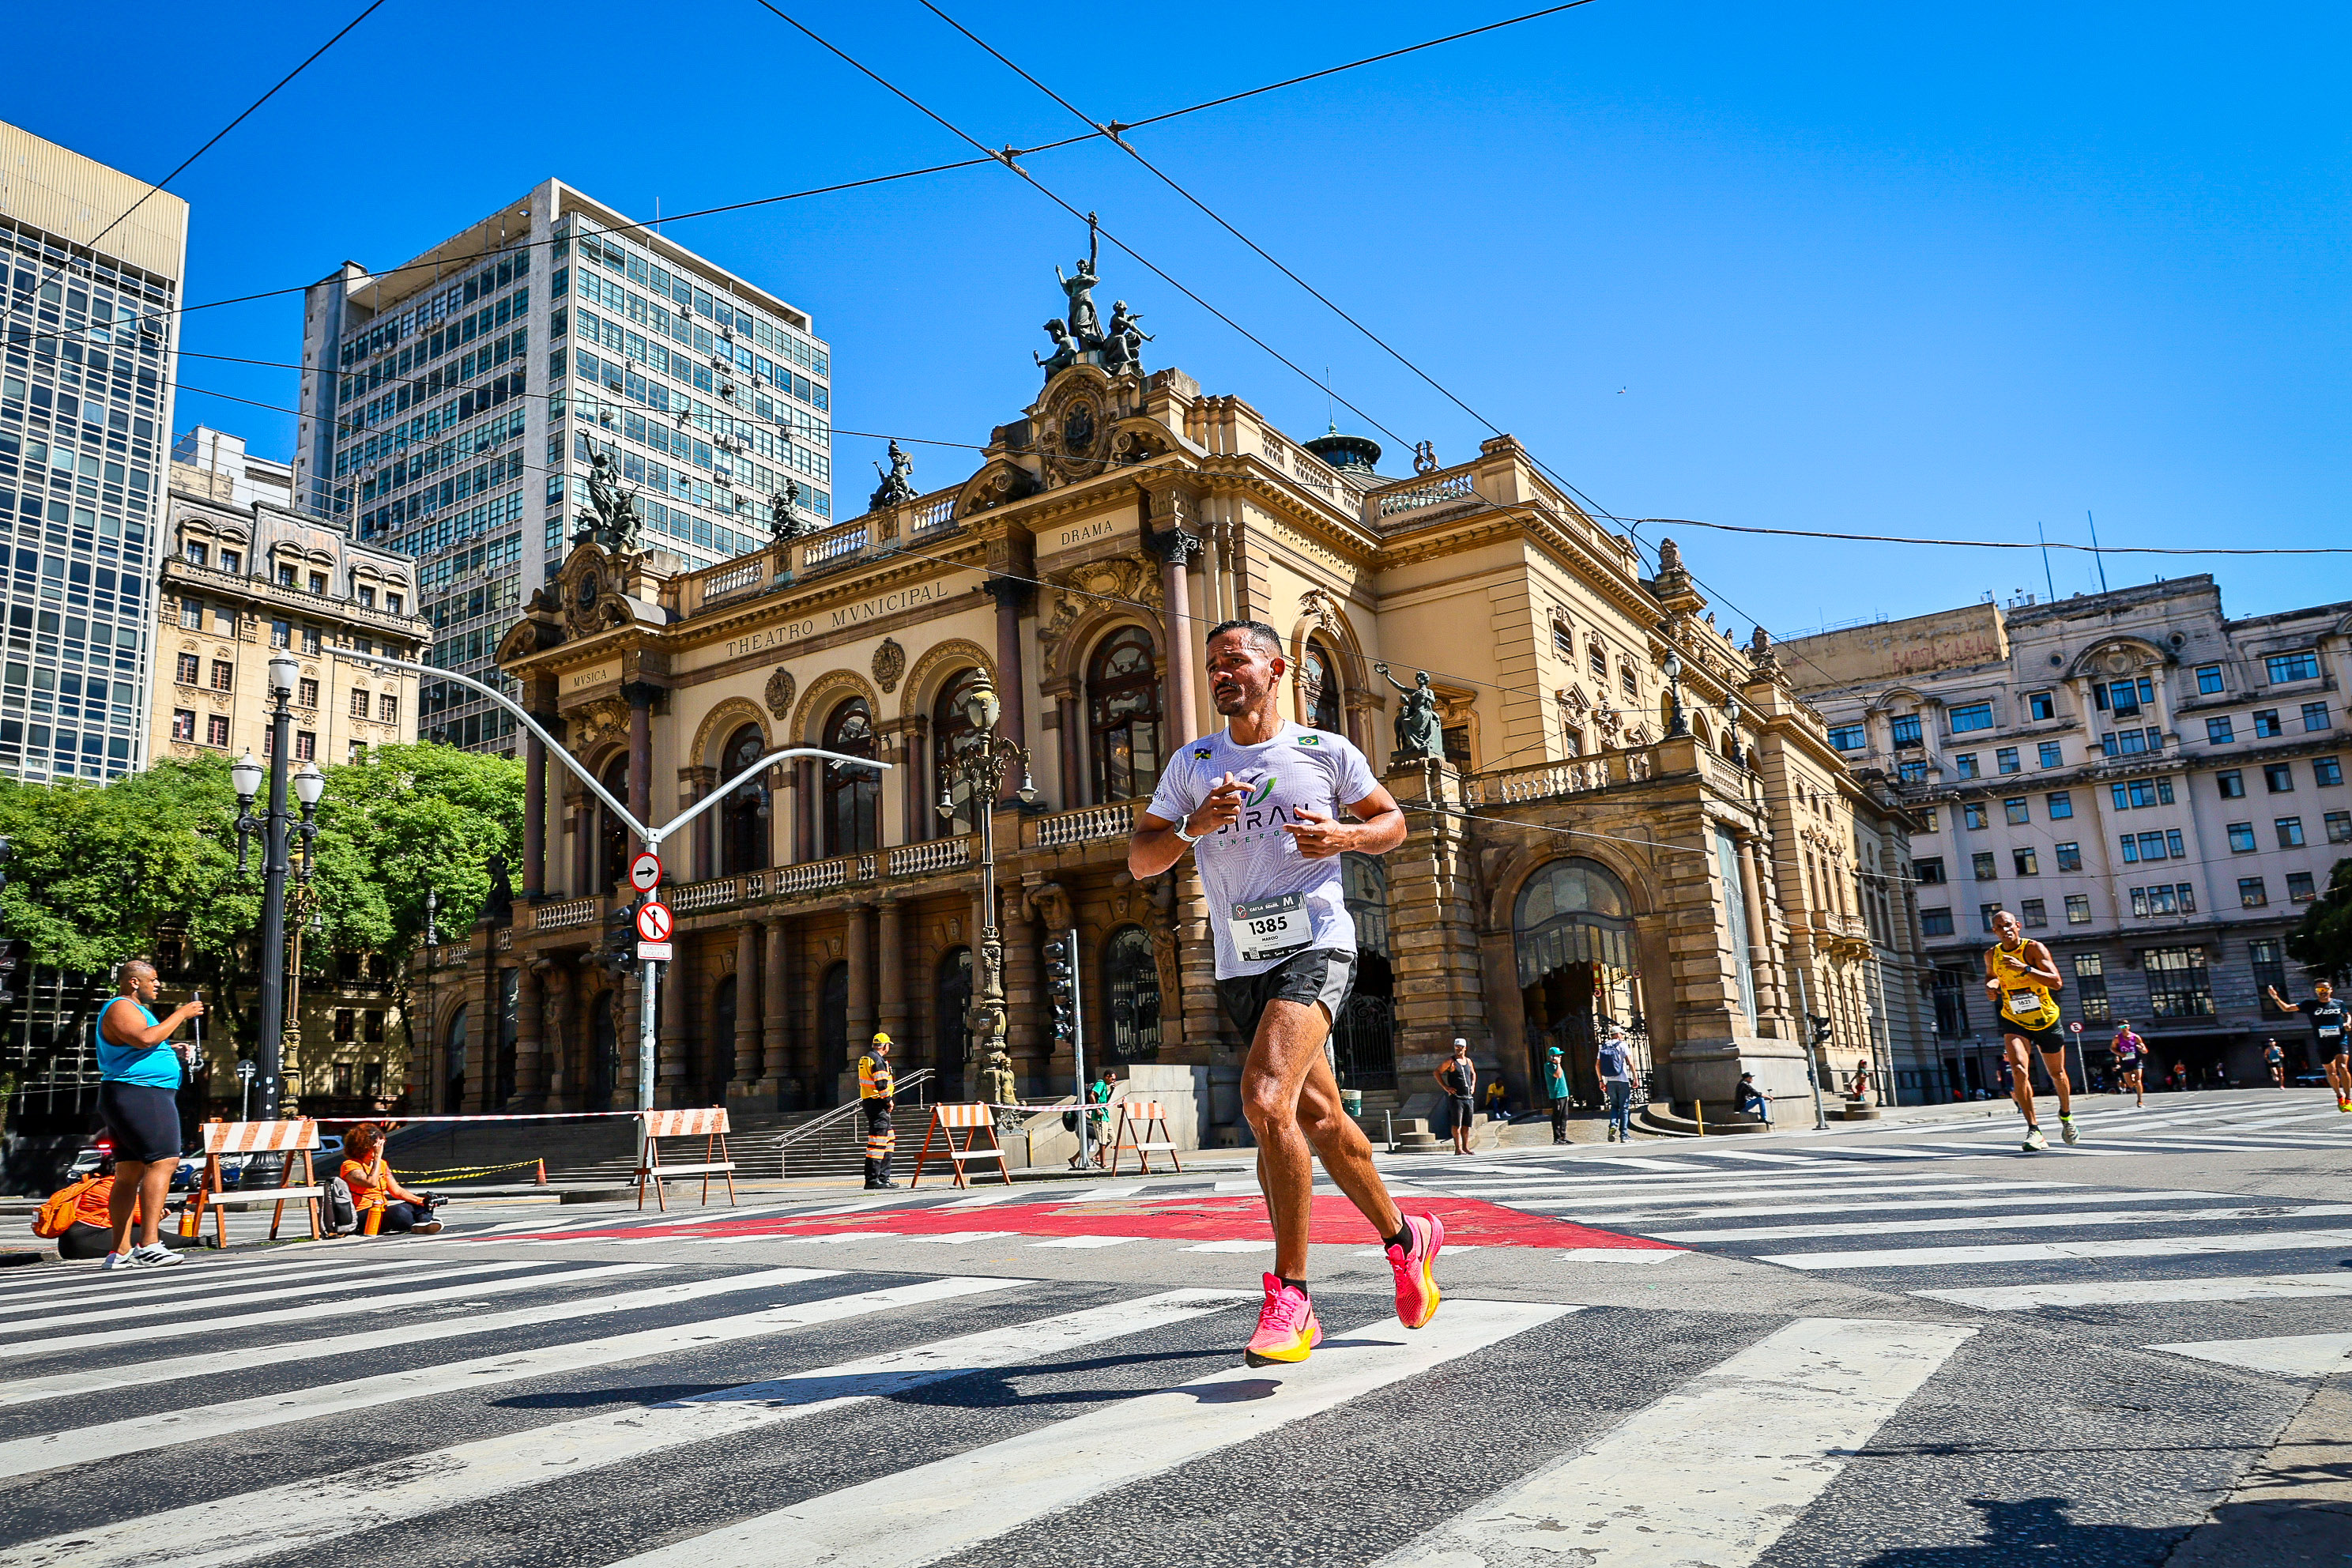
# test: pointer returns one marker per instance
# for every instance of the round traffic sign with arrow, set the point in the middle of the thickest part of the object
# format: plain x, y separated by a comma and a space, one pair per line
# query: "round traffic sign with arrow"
653, 922
644, 871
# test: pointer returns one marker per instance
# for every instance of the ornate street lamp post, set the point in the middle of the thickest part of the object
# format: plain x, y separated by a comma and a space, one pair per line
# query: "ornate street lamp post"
1675, 723
982, 767
276, 826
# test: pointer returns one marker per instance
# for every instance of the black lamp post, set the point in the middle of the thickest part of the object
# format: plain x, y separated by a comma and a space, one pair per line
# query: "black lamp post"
982, 767
1676, 725
276, 826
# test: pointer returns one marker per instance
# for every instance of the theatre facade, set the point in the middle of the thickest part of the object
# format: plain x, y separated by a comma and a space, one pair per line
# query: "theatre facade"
1599, 841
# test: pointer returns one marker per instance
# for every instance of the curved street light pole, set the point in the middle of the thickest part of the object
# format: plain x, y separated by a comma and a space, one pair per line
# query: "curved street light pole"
277, 825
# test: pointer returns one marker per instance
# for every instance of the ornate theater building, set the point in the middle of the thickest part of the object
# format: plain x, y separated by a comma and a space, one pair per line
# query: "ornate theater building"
1632, 818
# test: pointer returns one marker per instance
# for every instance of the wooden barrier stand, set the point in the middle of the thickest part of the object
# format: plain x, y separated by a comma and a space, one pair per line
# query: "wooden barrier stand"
1137, 1120
709, 1123
295, 1140
945, 1120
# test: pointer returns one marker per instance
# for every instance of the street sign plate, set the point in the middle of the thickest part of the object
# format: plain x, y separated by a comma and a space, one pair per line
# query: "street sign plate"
644, 871
653, 951
653, 922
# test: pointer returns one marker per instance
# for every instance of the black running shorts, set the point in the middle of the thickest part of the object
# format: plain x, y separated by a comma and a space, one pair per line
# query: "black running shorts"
1318, 975
2049, 1041
143, 1121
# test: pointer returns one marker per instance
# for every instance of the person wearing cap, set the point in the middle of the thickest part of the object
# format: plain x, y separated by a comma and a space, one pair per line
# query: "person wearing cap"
875, 1085
1556, 1086
1614, 1061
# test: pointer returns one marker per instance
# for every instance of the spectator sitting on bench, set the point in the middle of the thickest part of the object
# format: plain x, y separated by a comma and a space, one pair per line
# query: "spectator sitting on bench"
1754, 1098
373, 1187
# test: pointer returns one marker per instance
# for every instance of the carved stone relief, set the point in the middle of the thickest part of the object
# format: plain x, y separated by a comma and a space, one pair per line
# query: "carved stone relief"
779, 695
889, 663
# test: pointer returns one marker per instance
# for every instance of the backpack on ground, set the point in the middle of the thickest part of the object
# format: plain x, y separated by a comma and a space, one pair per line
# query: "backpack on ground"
59, 1213
342, 1215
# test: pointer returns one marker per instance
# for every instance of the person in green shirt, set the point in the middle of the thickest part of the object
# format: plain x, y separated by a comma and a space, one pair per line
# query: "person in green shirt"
1556, 1086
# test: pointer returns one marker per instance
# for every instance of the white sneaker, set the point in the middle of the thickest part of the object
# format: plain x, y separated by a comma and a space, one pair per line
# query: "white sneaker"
2066, 1130
119, 1260
157, 1256
2034, 1142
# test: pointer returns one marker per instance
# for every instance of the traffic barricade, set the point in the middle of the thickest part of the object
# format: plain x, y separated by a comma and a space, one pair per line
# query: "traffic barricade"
708, 1122
293, 1140
973, 1120
1140, 1119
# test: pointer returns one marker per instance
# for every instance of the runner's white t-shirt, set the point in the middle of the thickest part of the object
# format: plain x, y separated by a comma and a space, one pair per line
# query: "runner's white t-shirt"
1292, 904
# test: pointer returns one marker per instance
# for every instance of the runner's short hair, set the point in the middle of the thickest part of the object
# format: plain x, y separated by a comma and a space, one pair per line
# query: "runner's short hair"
1267, 639
128, 968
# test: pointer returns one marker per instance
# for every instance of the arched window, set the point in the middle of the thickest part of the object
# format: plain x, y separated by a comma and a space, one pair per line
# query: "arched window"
1319, 673
853, 796
743, 819
1131, 993
612, 838
951, 995
952, 735
1572, 929
1123, 711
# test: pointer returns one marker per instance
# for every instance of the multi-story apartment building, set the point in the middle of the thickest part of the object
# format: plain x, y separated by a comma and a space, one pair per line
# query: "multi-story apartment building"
93, 261
245, 578
2156, 789
451, 405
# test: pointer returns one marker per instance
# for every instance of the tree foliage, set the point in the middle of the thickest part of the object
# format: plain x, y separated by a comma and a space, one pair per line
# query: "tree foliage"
2323, 943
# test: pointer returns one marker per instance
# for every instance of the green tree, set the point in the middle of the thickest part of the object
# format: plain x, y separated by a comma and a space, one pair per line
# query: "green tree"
2323, 943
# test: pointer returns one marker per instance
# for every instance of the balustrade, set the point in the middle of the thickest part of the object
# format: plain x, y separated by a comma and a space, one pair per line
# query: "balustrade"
1440, 488
1084, 826
847, 540
569, 914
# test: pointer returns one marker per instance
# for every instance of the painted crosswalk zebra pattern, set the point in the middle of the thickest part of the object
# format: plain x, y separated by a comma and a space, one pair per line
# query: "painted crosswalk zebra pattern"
326, 1402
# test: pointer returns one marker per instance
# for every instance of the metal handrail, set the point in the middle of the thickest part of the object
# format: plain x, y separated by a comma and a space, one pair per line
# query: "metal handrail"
843, 1113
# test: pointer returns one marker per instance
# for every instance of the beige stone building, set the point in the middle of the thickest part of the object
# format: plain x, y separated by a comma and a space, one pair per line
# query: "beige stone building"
1587, 850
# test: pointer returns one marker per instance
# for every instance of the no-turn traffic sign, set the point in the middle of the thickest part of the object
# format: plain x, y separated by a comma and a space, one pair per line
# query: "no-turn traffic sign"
653, 922
644, 871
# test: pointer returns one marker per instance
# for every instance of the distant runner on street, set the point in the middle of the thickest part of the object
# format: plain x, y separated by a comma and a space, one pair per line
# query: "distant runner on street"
2131, 1058
2329, 1041
2022, 975
1261, 798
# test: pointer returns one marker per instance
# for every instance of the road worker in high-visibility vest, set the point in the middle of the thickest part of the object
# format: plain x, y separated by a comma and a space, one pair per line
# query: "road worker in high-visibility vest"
875, 1086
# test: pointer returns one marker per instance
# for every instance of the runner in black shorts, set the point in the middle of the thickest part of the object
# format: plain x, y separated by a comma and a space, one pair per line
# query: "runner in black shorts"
2024, 980
1261, 798
2331, 1039
138, 1098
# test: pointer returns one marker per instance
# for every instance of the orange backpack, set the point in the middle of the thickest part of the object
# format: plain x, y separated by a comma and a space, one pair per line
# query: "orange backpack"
57, 1215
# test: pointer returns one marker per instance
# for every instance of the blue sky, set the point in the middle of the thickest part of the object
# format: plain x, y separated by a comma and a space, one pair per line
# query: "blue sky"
1860, 268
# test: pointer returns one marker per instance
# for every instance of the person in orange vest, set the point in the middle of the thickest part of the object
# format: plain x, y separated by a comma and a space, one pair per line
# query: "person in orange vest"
875, 1089
373, 1187
79, 1217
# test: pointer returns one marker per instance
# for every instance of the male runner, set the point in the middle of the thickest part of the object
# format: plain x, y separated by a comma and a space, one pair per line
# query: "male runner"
2022, 975
138, 1099
2328, 1039
2131, 1057
876, 1090
1260, 798
2276, 1059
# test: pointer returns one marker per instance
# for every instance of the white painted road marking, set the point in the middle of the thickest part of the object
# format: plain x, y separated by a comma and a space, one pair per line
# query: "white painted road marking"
2289, 1355
2046, 1251
2142, 1292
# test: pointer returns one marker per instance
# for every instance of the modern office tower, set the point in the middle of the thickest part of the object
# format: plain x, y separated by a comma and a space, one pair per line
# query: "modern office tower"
451, 407
94, 261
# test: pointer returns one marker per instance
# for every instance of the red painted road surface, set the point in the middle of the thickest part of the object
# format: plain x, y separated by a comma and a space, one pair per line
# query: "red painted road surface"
1188, 1219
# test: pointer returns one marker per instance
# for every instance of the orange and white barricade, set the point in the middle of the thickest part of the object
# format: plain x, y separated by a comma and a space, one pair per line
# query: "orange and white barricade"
295, 1140
974, 1120
709, 1123
1140, 1119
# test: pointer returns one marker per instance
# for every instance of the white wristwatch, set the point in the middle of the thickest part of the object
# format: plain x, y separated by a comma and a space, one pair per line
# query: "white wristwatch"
1187, 838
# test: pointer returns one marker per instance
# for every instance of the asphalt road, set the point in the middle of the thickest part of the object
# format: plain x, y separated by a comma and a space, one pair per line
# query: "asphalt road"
1915, 1345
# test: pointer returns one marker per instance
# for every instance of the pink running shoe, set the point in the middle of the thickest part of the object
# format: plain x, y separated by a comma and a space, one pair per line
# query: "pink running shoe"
1416, 1270
1288, 1329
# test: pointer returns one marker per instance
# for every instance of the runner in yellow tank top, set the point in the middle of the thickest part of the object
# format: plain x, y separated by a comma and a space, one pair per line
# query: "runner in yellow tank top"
2021, 976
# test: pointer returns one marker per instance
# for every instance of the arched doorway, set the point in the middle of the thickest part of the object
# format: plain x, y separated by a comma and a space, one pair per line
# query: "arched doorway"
1319, 673
1123, 716
1130, 978
831, 1032
453, 1058
743, 819
603, 1053
1572, 931
951, 995
1363, 1037
853, 796
612, 835
952, 735
719, 1051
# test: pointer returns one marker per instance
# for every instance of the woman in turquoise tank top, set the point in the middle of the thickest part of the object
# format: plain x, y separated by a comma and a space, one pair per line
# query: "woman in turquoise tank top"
138, 1100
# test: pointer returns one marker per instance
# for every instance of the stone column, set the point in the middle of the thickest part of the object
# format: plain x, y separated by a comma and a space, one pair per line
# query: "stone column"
1024, 993
562, 1082
1013, 598
1183, 639
693, 784
675, 1080
1762, 961
858, 948
749, 1015
531, 1060
534, 820
641, 748
482, 1031
583, 820
1072, 750
775, 1021
922, 822
804, 789
892, 1007
1434, 930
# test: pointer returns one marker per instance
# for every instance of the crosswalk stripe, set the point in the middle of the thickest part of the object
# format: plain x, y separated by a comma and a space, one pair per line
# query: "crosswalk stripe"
1086, 1241
82, 1445
2012, 1222
22, 1390
310, 1512
1669, 1214
2044, 1251
359, 1278
204, 1274
1716, 1470
2290, 1355
1706, 1202
2145, 1292
934, 1511
1615, 1189
1243, 1245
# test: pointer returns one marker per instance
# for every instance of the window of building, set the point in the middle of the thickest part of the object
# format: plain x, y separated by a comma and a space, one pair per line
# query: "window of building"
1985, 914
1927, 819
366, 597
306, 746
1950, 987
2266, 723
184, 723
2220, 732
2314, 717
2278, 778
2024, 859
392, 603
310, 639
2299, 890
347, 1025
285, 575
2231, 783
2327, 772
358, 702
2209, 679
2058, 806
2090, 976
2177, 985
2242, 837
1904, 730
2069, 854
354, 750
192, 615
1982, 865
2078, 909
281, 633
186, 669
2286, 667
1123, 716
2039, 705
2014, 811
387, 709
2033, 912
1972, 813
1935, 922
1929, 869
2051, 754
2004, 760
372, 1030
306, 692
2339, 826
1970, 717
1318, 673
2131, 743
194, 552
216, 730
2270, 974
744, 816
224, 675
2290, 832
1627, 678
853, 796
1965, 764
1847, 737
2164, 899
1911, 772
2251, 893
2124, 699
1596, 657
2140, 793
319, 583
232, 561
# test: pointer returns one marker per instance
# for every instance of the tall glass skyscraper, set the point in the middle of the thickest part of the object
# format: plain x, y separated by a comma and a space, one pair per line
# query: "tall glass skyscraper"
93, 275
452, 404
